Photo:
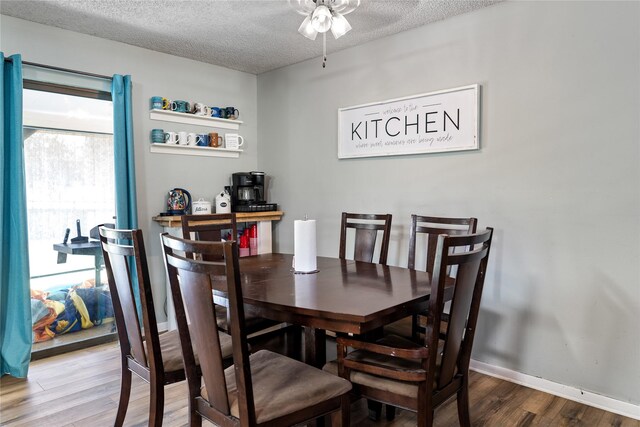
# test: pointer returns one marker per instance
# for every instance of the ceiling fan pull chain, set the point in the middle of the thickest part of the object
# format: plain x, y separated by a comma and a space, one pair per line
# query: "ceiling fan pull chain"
324, 50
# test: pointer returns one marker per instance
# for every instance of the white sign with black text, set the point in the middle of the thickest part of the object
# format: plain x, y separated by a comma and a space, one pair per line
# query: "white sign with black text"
433, 122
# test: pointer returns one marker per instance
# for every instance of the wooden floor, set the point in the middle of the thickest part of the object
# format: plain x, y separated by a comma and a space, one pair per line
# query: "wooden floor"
81, 389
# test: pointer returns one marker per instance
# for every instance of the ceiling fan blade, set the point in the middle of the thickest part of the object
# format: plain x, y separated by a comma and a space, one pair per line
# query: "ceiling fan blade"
344, 7
303, 7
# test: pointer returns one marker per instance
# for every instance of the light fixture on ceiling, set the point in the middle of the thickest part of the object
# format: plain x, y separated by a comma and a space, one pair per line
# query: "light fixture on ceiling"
322, 16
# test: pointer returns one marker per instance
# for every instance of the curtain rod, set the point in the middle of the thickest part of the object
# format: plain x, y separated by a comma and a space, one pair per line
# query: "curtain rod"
64, 70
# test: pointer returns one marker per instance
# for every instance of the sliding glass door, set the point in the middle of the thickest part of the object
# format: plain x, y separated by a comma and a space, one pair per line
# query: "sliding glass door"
69, 165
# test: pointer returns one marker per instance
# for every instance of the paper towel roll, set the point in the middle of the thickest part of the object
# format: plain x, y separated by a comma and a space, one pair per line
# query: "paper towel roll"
304, 246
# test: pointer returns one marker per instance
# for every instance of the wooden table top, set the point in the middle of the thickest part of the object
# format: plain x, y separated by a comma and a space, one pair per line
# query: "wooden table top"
344, 296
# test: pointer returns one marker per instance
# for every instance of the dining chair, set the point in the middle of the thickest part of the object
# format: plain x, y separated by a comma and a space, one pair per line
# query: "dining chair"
210, 228
419, 377
366, 228
430, 227
262, 389
154, 357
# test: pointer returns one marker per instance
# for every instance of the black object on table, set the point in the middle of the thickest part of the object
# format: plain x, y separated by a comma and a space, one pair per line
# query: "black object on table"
79, 238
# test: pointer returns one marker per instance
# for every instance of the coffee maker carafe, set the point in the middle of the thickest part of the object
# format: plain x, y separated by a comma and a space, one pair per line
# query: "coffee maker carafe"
247, 193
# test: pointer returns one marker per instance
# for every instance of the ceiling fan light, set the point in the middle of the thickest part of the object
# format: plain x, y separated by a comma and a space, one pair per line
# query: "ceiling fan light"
339, 25
321, 19
307, 30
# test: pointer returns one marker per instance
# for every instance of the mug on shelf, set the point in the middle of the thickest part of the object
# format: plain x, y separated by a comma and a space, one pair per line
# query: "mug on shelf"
233, 141
200, 109
157, 136
159, 103
182, 138
192, 138
171, 138
202, 140
180, 106
215, 111
232, 113
215, 140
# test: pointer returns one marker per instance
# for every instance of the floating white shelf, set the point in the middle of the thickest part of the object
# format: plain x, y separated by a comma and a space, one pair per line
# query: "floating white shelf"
194, 150
192, 119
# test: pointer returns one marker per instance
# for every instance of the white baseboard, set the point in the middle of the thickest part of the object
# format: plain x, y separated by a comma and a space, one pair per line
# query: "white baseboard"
163, 326
572, 393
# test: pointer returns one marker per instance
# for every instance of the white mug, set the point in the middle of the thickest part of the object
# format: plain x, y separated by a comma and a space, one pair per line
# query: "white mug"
233, 141
182, 138
192, 139
170, 138
200, 109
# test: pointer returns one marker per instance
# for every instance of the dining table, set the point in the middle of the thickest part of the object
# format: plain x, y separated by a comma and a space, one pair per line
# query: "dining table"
343, 296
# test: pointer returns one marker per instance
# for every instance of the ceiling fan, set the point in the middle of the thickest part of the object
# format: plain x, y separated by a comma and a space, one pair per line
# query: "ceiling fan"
322, 16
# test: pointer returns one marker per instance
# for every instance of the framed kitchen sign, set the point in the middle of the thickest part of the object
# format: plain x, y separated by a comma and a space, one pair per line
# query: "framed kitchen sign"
434, 122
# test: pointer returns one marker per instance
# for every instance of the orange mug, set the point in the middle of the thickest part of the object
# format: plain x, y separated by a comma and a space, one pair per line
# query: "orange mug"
215, 140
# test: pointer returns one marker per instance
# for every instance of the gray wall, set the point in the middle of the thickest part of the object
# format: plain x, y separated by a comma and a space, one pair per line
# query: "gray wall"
557, 174
152, 74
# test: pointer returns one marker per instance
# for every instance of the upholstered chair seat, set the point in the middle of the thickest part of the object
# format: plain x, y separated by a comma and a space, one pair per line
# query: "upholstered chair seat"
172, 352
282, 386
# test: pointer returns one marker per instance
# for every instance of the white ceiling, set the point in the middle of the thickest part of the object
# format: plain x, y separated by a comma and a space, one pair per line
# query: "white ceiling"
253, 36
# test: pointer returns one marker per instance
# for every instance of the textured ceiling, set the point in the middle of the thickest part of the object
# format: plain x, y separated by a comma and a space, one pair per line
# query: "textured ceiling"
252, 36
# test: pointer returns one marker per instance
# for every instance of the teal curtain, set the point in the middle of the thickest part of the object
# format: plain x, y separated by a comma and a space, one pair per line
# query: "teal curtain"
126, 204
15, 300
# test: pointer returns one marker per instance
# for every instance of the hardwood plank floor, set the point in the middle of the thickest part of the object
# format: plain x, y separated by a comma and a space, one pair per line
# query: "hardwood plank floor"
81, 389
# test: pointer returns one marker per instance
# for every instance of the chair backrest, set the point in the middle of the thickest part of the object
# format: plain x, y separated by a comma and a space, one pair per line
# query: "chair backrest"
208, 228
433, 226
366, 227
191, 283
125, 260
471, 268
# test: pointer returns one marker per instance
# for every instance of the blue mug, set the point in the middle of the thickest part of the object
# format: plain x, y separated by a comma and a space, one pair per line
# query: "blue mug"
215, 111
156, 102
202, 140
180, 106
157, 136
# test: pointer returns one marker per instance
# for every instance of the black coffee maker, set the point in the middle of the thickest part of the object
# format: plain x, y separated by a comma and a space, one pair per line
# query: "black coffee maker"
247, 193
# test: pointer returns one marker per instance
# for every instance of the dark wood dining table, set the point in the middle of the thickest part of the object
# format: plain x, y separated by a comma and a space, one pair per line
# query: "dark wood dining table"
344, 296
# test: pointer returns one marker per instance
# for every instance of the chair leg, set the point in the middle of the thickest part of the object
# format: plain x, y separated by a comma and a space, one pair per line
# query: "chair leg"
195, 419
346, 411
375, 409
390, 412
125, 392
425, 418
299, 342
156, 405
415, 328
463, 404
